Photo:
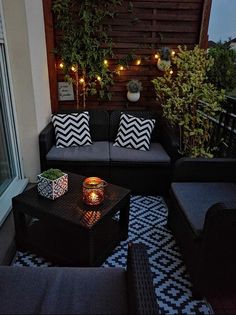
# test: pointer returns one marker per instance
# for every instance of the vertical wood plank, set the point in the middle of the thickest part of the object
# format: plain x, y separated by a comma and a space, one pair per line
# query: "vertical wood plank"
49, 33
203, 37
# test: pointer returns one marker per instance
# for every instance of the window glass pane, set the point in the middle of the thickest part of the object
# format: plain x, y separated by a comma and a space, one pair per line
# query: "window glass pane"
6, 171
7, 166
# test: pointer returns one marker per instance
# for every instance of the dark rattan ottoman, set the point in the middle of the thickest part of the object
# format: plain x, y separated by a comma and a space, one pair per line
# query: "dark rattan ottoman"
66, 231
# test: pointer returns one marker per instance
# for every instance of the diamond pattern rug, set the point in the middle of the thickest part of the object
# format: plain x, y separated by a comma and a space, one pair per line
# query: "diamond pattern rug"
148, 218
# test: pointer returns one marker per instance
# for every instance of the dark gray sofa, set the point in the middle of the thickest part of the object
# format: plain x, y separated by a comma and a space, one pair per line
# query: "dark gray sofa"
64, 290
146, 172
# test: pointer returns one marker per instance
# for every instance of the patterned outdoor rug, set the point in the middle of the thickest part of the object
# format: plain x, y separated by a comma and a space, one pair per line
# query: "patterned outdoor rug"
148, 217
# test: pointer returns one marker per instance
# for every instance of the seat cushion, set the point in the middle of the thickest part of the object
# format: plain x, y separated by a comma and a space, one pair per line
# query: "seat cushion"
58, 290
195, 199
98, 151
155, 155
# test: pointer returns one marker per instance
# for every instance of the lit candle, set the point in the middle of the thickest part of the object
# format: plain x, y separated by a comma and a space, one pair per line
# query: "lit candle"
93, 190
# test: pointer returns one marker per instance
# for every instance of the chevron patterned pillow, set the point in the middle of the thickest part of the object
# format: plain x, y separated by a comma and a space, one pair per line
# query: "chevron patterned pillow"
134, 132
72, 129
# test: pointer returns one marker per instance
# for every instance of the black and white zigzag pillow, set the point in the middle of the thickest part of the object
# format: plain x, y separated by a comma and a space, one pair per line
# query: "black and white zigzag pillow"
134, 132
72, 129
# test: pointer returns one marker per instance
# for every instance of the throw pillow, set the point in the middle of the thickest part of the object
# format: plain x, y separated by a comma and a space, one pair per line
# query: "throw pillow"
134, 132
72, 129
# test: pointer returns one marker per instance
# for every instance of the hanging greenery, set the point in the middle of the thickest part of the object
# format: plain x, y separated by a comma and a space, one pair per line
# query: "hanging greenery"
85, 44
180, 92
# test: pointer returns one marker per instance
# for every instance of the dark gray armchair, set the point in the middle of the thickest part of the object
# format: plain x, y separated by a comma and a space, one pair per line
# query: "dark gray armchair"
203, 219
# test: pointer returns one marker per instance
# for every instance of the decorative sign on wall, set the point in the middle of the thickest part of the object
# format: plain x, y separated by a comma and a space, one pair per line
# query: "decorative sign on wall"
65, 91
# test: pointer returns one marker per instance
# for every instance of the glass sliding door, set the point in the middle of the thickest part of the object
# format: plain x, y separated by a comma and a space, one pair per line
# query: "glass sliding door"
12, 181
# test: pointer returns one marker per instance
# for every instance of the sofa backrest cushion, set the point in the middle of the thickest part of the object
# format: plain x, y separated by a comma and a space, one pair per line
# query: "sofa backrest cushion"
72, 129
98, 123
115, 121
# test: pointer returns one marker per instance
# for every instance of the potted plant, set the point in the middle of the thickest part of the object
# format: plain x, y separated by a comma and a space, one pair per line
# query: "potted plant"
189, 101
52, 183
134, 87
163, 62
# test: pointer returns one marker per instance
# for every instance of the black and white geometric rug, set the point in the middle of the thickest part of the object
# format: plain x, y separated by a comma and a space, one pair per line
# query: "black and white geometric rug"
147, 225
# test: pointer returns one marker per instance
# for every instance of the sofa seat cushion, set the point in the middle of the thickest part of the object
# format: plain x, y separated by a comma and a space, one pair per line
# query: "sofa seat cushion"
155, 155
98, 152
58, 290
195, 199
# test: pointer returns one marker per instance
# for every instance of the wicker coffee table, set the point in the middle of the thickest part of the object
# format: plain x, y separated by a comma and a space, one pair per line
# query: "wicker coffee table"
66, 231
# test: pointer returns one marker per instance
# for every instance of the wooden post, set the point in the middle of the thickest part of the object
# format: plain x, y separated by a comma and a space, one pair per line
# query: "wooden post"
52, 71
203, 36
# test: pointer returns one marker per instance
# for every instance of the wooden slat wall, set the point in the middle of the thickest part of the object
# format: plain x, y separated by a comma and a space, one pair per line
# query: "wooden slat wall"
152, 24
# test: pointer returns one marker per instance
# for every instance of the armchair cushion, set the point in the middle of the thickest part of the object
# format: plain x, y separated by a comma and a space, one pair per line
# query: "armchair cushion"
72, 129
98, 151
134, 132
58, 290
195, 199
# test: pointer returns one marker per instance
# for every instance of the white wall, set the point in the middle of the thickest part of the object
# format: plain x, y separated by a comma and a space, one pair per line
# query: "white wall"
25, 38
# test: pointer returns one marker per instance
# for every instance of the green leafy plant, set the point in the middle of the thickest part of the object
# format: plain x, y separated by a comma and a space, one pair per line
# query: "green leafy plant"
52, 173
85, 44
134, 86
223, 72
180, 94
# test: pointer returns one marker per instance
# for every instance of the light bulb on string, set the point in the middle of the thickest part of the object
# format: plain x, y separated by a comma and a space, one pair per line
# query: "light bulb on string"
138, 62
73, 68
156, 56
81, 80
61, 65
105, 62
99, 78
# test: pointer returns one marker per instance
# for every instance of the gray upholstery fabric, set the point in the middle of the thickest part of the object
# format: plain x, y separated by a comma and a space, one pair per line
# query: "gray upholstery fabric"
98, 151
156, 154
196, 198
57, 290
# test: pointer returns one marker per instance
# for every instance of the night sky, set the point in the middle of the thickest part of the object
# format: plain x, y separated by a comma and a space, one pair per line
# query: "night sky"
222, 20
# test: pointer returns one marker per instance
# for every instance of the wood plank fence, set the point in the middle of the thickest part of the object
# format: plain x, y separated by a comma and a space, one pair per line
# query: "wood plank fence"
141, 27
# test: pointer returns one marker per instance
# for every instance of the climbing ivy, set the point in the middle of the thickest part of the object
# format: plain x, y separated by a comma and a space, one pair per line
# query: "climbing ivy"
85, 43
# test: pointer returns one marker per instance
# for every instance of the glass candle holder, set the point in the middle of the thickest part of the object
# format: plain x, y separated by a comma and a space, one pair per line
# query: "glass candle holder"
93, 191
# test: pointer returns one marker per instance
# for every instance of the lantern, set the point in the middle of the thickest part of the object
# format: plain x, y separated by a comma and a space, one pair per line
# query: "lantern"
93, 191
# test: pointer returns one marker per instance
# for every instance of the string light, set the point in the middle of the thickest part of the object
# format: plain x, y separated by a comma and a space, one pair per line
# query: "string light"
73, 69
138, 62
121, 68
173, 53
171, 71
61, 65
99, 78
156, 56
105, 62
81, 80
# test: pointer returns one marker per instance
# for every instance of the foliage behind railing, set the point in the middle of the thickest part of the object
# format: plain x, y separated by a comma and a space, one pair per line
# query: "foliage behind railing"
223, 137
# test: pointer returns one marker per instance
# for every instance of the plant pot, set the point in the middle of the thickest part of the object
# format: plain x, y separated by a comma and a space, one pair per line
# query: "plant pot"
163, 65
52, 189
133, 97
